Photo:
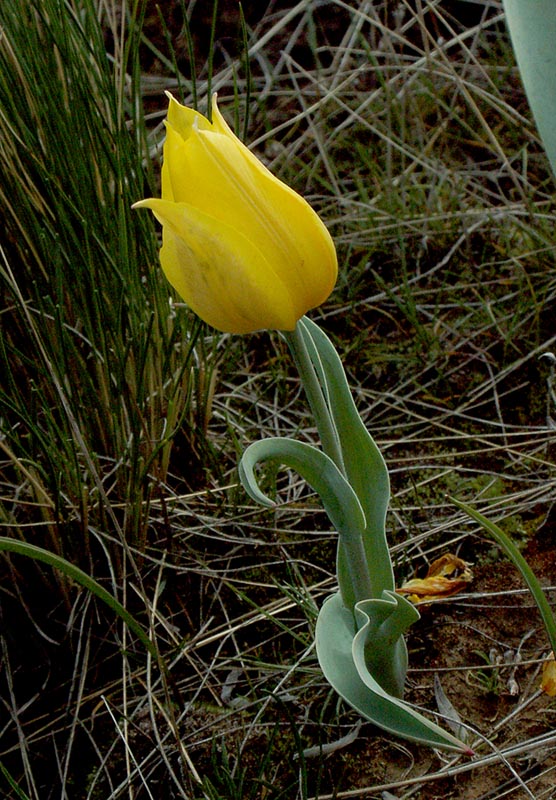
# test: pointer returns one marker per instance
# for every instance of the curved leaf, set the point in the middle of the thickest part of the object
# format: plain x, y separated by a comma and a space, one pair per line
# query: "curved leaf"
339, 499
378, 646
335, 634
507, 545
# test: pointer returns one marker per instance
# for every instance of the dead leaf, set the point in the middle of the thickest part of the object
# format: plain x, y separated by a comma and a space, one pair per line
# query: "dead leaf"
448, 711
447, 575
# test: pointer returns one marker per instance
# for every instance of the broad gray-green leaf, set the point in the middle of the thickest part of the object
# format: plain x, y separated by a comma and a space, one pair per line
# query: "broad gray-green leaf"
532, 25
335, 633
378, 646
363, 462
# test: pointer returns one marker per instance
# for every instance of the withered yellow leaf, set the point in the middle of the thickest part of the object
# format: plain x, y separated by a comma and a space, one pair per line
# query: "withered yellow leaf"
446, 576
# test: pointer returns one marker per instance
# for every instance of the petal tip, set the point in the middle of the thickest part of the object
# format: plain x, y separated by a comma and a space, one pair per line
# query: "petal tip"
141, 204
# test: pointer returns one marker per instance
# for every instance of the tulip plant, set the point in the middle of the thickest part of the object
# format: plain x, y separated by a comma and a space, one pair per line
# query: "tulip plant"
247, 253
360, 629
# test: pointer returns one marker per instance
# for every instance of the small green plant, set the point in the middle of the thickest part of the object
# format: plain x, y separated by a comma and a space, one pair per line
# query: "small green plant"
487, 680
257, 257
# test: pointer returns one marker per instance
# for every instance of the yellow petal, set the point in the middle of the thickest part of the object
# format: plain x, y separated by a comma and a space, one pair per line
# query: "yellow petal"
548, 682
180, 123
219, 273
183, 119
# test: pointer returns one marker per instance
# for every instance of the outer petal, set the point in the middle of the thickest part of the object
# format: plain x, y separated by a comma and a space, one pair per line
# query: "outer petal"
220, 274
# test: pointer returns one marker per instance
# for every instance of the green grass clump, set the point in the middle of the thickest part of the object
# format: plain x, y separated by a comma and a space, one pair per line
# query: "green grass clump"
99, 370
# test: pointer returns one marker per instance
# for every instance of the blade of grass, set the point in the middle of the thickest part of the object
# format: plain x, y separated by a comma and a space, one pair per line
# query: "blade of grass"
81, 577
512, 552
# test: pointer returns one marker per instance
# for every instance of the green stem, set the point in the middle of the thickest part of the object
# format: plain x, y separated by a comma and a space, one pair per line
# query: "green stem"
351, 541
315, 395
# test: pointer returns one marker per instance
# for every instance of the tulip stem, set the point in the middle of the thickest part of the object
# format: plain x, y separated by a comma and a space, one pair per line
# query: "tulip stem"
316, 396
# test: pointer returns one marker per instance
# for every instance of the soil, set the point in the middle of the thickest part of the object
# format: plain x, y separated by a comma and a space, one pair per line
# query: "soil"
486, 648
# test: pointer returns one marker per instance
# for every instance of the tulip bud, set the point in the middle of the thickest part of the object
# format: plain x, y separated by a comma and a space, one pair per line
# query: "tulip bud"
241, 248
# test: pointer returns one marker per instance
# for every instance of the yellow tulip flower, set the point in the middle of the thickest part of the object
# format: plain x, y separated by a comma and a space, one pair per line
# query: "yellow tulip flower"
242, 249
